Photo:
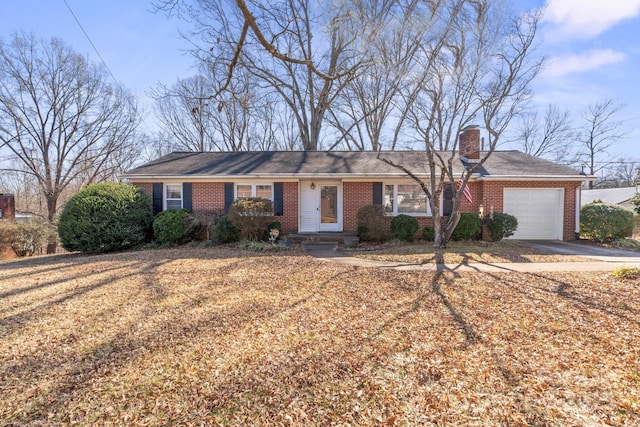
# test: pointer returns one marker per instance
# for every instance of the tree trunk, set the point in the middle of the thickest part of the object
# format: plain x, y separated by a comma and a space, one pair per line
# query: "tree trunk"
52, 202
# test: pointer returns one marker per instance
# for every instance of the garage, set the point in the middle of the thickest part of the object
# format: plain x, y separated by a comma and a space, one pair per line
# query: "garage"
539, 212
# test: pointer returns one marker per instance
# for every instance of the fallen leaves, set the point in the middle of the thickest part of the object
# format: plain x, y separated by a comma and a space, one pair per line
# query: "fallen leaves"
219, 336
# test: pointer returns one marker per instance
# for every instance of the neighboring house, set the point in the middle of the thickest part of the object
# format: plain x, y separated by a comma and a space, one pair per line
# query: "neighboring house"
613, 196
322, 191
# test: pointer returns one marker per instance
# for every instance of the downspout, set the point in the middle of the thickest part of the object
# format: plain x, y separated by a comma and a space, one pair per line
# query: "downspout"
578, 203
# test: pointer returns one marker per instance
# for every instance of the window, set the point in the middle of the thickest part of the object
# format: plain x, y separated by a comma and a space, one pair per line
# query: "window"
408, 199
264, 191
173, 197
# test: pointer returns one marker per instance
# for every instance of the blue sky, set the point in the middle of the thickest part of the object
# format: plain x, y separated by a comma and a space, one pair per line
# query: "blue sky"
593, 49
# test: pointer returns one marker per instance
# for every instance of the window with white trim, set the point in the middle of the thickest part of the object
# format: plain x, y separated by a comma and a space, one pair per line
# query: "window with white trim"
172, 197
408, 199
264, 191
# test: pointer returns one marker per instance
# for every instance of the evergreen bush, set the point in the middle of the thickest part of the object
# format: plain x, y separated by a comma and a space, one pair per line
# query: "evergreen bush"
635, 202
404, 227
105, 217
469, 227
603, 222
173, 227
429, 233
500, 225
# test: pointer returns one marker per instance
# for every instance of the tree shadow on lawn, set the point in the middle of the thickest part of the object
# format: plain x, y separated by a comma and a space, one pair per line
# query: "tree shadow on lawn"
79, 370
279, 374
469, 253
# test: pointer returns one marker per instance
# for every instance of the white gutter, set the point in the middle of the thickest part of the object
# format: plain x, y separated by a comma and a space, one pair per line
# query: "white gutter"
581, 178
267, 176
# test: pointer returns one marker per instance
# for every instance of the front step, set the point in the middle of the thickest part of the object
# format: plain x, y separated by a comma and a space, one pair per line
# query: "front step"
311, 246
347, 240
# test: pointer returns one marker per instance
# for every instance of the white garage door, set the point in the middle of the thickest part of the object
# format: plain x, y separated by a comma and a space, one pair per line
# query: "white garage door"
539, 212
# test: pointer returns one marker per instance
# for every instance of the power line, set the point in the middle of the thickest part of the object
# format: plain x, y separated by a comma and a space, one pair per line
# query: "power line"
91, 43
95, 49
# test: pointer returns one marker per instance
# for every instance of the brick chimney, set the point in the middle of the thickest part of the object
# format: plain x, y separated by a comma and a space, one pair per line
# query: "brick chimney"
469, 146
7, 207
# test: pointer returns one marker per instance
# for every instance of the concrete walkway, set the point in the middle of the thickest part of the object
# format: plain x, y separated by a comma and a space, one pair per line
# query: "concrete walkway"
596, 259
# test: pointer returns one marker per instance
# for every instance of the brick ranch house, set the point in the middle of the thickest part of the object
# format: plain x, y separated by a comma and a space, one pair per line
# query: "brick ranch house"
322, 191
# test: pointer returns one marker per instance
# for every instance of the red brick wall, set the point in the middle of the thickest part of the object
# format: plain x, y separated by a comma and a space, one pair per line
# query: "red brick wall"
493, 199
210, 196
354, 196
147, 187
289, 220
207, 196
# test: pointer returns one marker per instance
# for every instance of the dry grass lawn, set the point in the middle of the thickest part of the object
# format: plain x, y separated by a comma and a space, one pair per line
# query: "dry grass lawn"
505, 251
217, 336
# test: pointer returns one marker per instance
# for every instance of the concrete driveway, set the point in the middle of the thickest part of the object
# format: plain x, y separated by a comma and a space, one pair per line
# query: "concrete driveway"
586, 249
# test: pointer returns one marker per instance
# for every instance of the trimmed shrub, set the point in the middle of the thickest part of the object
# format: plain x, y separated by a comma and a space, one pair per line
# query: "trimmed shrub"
270, 235
603, 222
26, 238
372, 225
635, 202
500, 225
105, 217
404, 227
225, 232
251, 216
468, 228
173, 227
429, 233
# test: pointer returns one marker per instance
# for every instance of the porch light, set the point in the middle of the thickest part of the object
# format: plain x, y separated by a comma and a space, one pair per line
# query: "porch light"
313, 185
481, 211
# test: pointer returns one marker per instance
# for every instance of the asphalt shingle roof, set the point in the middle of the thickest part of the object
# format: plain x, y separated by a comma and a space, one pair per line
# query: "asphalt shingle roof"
331, 164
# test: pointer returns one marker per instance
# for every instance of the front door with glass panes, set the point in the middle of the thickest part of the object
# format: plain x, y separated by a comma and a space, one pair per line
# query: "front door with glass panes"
320, 206
330, 207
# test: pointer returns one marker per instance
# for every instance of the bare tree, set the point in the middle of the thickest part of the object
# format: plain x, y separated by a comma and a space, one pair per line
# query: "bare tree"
551, 138
61, 122
245, 117
185, 112
476, 66
363, 111
304, 51
602, 129
623, 172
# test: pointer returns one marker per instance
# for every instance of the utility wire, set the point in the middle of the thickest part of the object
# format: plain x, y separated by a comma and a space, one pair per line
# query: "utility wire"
91, 42
99, 55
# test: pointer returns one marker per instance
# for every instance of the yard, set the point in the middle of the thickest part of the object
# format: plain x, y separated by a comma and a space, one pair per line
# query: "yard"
219, 336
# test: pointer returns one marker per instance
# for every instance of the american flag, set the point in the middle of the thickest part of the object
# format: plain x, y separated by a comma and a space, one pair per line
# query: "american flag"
466, 192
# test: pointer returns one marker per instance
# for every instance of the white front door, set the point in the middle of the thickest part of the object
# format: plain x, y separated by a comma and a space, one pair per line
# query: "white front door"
320, 206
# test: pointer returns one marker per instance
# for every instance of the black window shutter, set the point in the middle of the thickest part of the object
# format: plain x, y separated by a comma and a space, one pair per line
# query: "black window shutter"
278, 198
377, 193
187, 196
447, 202
157, 197
228, 195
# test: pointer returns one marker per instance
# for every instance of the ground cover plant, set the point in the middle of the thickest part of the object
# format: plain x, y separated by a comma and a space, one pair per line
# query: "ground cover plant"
219, 336
460, 253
